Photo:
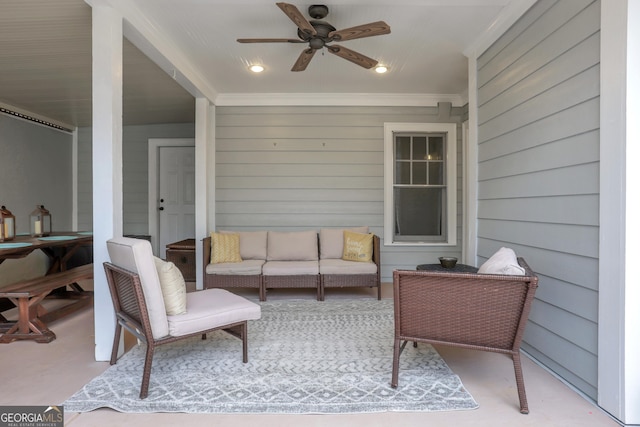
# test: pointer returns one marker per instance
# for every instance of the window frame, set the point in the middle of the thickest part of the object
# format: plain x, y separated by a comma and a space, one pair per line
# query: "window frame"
450, 129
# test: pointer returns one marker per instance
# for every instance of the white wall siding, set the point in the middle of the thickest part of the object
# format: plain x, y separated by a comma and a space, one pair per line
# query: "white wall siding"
135, 173
538, 174
300, 168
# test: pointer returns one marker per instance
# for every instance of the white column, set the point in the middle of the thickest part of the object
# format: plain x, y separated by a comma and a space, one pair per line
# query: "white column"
107, 162
470, 176
619, 293
204, 136
632, 250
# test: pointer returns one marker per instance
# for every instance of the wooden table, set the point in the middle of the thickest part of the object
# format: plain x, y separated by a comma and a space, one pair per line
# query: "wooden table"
29, 294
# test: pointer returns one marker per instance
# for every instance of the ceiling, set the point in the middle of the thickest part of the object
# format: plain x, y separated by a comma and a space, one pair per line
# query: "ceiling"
45, 54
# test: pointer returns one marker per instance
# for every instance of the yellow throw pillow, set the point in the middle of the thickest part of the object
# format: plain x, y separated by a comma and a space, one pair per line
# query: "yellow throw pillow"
225, 248
357, 247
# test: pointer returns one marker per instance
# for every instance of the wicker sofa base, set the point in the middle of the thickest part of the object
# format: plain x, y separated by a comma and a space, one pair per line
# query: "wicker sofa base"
235, 281
291, 282
349, 281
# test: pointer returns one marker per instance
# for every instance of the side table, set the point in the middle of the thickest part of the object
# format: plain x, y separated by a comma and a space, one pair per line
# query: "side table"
459, 268
183, 255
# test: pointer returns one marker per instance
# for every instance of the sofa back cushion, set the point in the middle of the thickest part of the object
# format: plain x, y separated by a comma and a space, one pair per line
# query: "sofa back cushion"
292, 246
253, 244
332, 241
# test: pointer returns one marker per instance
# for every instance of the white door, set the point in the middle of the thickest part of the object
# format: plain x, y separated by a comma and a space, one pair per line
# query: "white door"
177, 195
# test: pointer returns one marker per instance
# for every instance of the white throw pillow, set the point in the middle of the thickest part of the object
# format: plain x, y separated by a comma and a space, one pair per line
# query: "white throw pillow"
174, 290
502, 262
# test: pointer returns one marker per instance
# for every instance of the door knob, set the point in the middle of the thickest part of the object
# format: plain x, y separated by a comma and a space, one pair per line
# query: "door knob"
161, 208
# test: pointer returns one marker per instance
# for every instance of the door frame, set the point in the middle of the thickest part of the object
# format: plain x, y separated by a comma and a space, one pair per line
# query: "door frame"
154, 171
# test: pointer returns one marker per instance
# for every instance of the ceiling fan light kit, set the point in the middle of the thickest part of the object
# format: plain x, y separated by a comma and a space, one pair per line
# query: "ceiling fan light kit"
318, 34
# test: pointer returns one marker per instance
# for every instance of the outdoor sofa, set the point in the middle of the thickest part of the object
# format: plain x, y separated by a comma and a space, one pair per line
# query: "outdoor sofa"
329, 258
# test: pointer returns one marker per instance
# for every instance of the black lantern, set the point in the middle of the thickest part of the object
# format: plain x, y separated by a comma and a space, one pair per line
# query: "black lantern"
40, 223
7, 225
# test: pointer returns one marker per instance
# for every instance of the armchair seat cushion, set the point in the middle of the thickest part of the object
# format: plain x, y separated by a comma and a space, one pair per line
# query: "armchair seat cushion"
210, 309
290, 268
250, 267
340, 266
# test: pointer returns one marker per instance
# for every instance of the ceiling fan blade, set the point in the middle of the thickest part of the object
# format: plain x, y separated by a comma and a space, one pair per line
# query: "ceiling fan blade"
294, 14
366, 30
270, 41
350, 55
303, 60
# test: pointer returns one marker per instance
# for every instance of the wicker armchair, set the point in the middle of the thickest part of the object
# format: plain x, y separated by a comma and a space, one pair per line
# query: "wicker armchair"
139, 306
476, 311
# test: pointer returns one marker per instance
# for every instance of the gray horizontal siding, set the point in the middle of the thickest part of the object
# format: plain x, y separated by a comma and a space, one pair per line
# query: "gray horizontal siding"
135, 173
538, 174
300, 168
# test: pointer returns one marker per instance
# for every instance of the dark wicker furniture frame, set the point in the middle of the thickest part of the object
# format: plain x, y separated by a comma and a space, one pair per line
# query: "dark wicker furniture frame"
355, 280
318, 282
253, 281
131, 313
476, 311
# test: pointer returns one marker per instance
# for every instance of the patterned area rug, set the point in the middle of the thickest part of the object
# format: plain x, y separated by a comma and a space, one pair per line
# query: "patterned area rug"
305, 357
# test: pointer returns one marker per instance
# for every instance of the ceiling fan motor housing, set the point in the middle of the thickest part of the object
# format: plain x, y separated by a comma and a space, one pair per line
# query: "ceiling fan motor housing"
321, 37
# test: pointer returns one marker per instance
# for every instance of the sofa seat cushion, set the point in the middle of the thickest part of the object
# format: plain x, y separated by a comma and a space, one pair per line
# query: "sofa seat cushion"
212, 308
249, 267
340, 266
290, 268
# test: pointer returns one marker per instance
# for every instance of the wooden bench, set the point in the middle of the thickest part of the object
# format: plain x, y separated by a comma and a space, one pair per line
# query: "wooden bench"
28, 296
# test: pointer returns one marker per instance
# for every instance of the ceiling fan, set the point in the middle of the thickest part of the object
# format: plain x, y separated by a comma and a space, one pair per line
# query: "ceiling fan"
318, 34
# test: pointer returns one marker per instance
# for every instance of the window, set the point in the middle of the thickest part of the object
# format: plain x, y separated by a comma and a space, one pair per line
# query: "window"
420, 184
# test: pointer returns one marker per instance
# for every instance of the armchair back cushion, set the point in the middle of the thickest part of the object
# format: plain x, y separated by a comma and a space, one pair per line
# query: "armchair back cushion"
136, 256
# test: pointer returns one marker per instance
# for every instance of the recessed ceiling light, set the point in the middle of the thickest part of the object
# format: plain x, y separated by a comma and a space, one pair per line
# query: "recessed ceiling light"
381, 69
256, 68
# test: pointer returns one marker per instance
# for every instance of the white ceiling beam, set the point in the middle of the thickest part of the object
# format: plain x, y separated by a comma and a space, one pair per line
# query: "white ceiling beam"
337, 99
154, 43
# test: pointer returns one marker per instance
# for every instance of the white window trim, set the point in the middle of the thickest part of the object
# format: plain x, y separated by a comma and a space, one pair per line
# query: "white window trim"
451, 166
